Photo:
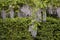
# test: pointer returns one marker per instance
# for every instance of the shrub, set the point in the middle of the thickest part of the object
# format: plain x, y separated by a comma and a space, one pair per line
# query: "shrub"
49, 30
17, 29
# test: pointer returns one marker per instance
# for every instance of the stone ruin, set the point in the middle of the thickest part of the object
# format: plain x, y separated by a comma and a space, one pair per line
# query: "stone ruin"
3, 13
25, 11
58, 12
11, 12
53, 11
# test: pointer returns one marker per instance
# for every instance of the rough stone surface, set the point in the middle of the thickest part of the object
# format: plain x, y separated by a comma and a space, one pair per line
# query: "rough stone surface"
49, 10
44, 17
11, 12
3, 14
58, 12
32, 30
26, 10
38, 15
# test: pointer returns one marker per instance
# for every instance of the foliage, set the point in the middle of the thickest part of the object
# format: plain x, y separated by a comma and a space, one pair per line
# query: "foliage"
17, 29
34, 3
49, 30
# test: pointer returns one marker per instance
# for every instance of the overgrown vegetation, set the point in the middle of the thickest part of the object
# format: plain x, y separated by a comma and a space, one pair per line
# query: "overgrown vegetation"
17, 29
33, 3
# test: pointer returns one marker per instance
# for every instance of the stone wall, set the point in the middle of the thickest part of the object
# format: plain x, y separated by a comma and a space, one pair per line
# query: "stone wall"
53, 11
